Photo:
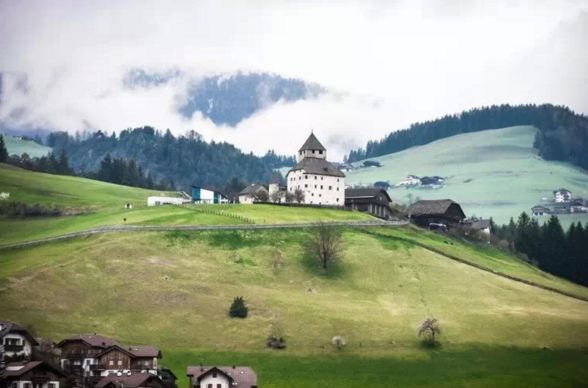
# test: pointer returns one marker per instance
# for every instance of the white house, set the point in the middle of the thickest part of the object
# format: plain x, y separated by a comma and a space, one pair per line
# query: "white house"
221, 377
15, 340
321, 182
562, 195
157, 201
248, 194
409, 180
207, 196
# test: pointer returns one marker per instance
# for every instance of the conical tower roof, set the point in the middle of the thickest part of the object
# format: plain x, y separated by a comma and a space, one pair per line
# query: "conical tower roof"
312, 143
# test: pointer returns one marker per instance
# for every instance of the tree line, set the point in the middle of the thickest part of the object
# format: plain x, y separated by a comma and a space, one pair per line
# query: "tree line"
184, 160
562, 253
562, 135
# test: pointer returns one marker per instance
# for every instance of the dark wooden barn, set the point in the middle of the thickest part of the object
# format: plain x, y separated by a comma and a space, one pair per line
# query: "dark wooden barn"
373, 200
441, 211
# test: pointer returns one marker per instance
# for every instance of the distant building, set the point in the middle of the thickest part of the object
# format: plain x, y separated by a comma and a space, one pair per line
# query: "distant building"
579, 205
322, 183
373, 200
27, 374
409, 180
443, 211
562, 195
159, 201
127, 358
482, 226
207, 196
131, 380
248, 194
78, 353
15, 340
540, 210
221, 376
432, 181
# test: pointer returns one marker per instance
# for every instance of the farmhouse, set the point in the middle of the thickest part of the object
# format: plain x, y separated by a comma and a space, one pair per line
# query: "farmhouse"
78, 353
207, 196
442, 211
409, 180
28, 374
221, 377
158, 201
562, 195
251, 193
131, 380
373, 200
540, 210
321, 182
123, 359
15, 340
579, 205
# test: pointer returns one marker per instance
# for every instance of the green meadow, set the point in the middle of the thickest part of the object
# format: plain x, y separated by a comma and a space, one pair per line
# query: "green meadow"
19, 147
173, 289
494, 173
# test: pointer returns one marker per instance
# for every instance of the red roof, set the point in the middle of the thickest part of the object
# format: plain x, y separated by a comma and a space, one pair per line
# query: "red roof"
128, 380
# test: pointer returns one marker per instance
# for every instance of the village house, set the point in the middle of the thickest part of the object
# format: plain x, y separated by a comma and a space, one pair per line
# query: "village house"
250, 193
440, 211
562, 196
15, 341
221, 377
207, 196
409, 180
276, 187
321, 182
131, 380
432, 181
158, 201
373, 200
539, 210
119, 358
579, 205
30, 374
78, 353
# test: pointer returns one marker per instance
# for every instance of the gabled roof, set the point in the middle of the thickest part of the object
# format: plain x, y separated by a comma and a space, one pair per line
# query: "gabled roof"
11, 327
312, 143
251, 189
243, 376
132, 380
481, 224
431, 207
366, 192
317, 166
562, 191
95, 341
134, 351
16, 369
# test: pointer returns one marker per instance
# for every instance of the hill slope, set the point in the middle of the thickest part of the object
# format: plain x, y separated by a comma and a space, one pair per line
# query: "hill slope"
377, 294
490, 173
19, 147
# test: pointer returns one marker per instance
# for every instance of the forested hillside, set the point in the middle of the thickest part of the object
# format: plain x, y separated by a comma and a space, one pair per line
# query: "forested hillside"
563, 134
184, 160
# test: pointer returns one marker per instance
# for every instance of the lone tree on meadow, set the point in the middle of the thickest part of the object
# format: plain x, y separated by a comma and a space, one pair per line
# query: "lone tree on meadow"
260, 196
427, 329
299, 195
325, 243
339, 342
238, 308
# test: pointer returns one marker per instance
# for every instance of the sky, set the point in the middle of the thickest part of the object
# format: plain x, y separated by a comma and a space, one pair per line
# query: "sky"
386, 64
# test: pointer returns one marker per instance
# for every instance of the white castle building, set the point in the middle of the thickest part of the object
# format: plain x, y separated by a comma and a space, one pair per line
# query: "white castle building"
321, 182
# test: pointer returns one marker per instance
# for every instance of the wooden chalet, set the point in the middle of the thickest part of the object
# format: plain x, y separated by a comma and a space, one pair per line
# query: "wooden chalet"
127, 358
444, 211
31, 374
373, 200
78, 352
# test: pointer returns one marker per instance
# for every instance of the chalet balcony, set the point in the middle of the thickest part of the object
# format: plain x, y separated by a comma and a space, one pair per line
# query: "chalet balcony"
97, 367
13, 348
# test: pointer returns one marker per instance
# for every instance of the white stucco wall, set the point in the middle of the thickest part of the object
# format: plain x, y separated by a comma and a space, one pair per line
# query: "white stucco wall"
156, 201
318, 189
21, 341
220, 379
246, 199
312, 154
21, 384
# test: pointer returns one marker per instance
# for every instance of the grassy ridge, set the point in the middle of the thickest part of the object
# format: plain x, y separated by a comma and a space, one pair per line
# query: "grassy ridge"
19, 147
490, 173
174, 289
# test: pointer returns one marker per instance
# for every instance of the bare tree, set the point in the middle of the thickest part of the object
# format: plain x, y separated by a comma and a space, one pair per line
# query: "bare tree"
325, 243
276, 196
289, 197
338, 341
428, 328
260, 196
299, 195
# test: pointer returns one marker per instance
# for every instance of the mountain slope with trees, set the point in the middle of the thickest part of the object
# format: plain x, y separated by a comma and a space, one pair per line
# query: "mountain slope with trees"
562, 136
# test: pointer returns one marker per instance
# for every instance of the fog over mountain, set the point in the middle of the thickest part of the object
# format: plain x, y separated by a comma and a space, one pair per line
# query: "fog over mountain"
261, 75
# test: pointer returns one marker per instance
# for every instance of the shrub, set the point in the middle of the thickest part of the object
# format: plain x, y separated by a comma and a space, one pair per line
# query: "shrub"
339, 342
428, 329
238, 308
275, 342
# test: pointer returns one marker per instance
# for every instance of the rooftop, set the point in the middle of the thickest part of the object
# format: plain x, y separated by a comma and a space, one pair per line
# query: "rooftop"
312, 143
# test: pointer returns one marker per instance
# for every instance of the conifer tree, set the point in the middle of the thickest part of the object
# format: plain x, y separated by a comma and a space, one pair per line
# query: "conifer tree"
3, 151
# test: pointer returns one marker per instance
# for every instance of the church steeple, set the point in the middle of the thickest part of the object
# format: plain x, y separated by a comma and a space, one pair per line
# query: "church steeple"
312, 148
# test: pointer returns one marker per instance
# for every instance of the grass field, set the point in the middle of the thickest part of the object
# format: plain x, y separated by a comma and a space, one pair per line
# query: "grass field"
494, 173
19, 147
173, 289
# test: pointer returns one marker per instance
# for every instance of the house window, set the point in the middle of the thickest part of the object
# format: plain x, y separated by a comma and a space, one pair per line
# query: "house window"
218, 386
119, 362
51, 385
321, 187
306, 186
312, 194
321, 178
306, 177
209, 385
27, 385
321, 152
337, 189
337, 180
330, 187
313, 151
320, 195
214, 375
337, 199
315, 178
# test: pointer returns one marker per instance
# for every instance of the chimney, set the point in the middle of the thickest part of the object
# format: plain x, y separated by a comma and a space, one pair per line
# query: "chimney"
233, 366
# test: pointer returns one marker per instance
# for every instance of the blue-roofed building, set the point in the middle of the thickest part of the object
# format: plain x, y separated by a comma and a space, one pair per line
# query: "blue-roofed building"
207, 196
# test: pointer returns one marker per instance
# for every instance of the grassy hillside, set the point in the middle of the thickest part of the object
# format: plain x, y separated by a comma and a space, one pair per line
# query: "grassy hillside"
174, 290
19, 147
491, 173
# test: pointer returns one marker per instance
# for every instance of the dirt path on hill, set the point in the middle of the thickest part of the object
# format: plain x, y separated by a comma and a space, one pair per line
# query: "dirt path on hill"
162, 228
